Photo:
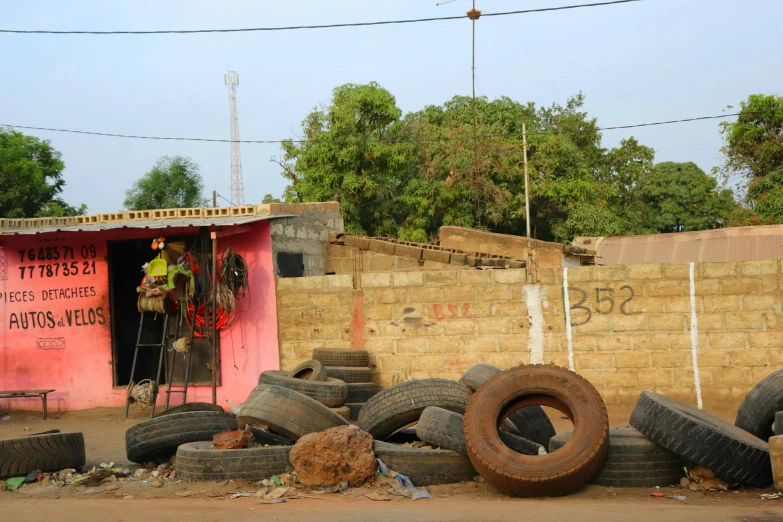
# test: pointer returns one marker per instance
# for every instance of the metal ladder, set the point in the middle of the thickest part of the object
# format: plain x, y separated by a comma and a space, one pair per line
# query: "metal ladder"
170, 373
162, 347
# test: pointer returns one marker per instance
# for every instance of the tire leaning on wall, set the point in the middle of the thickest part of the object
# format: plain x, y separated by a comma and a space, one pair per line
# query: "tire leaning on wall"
553, 474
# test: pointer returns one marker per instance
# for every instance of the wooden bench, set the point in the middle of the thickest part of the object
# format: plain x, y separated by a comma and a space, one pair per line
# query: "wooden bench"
22, 394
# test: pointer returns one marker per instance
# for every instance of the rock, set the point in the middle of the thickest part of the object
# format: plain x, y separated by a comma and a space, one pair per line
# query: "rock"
163, 466
112, 487
684, 482
333, 456
139, 472
231, 439
128, 497
95, 489
156, 484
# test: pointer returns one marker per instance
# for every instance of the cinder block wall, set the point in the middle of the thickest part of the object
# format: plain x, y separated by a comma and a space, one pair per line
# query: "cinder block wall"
630, 326
305, 232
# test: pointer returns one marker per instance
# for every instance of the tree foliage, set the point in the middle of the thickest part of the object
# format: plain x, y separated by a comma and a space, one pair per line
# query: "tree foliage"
408, 176
679, 197
753, 150
174, 182
31, 177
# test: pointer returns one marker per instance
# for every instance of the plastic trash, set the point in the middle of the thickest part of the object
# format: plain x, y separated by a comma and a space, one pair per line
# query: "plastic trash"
14, 482
5, 418
383, 470
421, 494
406, 483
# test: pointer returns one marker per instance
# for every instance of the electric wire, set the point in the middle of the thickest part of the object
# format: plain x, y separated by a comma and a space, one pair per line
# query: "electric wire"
322, 26
391, 140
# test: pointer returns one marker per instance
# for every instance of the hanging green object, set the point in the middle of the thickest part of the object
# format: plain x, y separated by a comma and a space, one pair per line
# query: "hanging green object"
158, 267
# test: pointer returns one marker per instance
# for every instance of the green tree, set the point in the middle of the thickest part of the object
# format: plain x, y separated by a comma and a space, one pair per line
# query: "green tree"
268, 198
350, 155
174, 182
31, 177
753, 150
679, 197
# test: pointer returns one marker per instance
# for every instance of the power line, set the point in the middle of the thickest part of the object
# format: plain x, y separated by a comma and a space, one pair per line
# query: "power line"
401, 140
324, 26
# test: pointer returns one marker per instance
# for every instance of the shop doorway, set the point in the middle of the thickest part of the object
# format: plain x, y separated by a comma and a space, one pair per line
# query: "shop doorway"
126, 258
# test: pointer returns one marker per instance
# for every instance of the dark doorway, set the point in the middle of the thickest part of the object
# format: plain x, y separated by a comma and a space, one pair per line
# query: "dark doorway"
126, 258
125, 261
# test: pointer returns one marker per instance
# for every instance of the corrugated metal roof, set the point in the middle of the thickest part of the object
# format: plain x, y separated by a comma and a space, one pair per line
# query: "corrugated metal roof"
150, 223
725, 244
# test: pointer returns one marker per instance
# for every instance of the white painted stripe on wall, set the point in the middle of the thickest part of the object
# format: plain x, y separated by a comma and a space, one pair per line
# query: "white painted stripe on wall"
535, 337
695, 340
567, 309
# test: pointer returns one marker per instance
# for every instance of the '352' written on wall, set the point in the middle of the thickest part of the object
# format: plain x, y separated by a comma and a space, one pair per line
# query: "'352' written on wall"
606, 300
54, 286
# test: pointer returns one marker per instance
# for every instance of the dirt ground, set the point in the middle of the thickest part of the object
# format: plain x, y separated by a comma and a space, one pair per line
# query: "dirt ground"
104, 431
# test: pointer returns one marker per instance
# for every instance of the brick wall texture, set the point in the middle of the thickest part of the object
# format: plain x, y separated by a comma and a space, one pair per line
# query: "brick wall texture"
630, 325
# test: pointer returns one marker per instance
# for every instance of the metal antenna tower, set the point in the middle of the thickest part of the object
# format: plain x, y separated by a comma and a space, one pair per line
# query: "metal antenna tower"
231, 79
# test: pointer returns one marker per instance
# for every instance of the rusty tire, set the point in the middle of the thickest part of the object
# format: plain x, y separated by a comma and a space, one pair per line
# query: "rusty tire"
309, 371
553, 474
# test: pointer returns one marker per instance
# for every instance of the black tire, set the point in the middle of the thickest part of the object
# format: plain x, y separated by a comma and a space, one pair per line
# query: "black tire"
361, 391
348, 374
779, 423
262, 436
633, 461
331, 392
531, 423
336, 357
445, 429
757, 411
192, 406
400, 406
310, 371
728, 451
286, 412
355, 408
159, 437
425, 467
46, 453
197, 461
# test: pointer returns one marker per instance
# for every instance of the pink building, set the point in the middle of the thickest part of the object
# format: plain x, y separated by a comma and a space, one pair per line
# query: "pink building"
68, 313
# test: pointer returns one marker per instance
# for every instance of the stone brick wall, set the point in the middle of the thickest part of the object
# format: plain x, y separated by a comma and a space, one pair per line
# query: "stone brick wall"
305, 232
348, 260
629, 326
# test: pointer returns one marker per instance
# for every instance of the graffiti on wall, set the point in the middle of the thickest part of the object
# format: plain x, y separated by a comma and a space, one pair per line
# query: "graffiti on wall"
51, 287
606, 301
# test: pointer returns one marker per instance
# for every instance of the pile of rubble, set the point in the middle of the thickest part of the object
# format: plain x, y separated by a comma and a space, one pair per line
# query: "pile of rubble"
289, 439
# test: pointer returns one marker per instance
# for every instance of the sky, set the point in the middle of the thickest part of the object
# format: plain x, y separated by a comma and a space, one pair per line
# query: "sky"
637, 62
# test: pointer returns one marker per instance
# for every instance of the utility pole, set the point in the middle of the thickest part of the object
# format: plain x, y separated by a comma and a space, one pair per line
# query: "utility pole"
528, 264
231, 80
474, 15
214, 198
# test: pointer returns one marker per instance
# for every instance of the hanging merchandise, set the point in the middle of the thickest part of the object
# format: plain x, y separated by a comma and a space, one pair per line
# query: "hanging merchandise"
234, 274
155, 304
196, 320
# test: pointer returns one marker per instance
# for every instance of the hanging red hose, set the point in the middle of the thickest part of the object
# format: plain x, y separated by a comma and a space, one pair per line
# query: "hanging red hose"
195, 319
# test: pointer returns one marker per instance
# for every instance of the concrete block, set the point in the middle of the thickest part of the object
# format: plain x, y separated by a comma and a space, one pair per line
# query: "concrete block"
458, 259
376, 280
410, 252
631, 360
595, 361
642, 272
425, 295
759, 302
719, 270
494, 293
441, 278
667, 322
664, 288
628, 323
438, 256
383, 247
475, 277
405, 279
480, 344
509, 276
759, 268
745, 321
676, 271
458, 293
740, 286
338, 281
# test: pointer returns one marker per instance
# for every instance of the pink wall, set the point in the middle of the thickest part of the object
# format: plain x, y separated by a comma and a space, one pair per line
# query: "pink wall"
55, 328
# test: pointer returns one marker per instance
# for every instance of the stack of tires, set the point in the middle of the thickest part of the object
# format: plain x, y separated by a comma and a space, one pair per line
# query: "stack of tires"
353, 368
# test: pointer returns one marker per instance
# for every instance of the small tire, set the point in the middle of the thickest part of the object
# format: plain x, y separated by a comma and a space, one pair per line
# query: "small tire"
361, 391
331, 392
286, 412
354, 409
400, 406
192, 406
159, 437
349, 374
633, 461
444, 429
337, 357
45, 453
531, 423
757, 411
778, 423
343, 411
553, 474
198, 461
730, 452
309, 371
425, 467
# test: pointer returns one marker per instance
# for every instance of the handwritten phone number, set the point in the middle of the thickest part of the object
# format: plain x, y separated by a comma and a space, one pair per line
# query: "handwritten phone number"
56, 253
55, 269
